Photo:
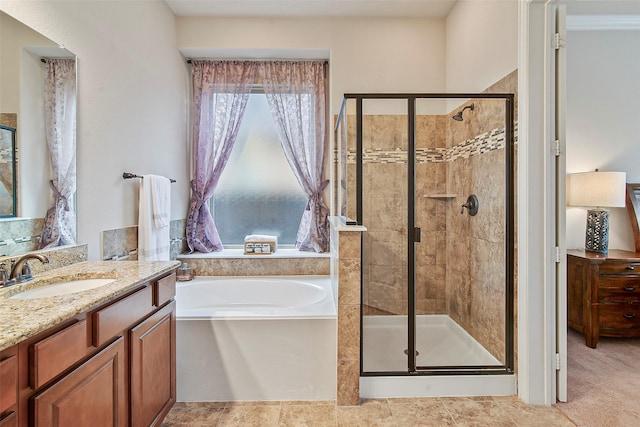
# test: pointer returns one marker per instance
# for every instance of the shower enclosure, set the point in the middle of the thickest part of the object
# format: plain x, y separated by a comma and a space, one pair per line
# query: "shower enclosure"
431, 178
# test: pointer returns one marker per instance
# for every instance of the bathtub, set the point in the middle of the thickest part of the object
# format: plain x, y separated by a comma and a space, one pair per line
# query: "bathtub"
255, 338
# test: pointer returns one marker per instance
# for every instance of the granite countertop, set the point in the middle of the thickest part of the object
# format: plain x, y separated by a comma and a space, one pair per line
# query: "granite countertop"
22, 319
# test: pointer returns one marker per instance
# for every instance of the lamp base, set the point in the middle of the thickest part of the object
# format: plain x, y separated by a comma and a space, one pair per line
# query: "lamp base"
597, 236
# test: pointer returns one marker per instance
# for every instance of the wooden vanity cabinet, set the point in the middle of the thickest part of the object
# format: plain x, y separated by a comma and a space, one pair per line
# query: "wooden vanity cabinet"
113, 366
152, 352
9, 387
91, 395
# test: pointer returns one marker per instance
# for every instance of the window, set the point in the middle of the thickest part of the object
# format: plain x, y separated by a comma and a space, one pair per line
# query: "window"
257, 192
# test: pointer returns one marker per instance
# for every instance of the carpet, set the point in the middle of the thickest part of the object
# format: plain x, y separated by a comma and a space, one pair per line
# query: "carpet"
603, 383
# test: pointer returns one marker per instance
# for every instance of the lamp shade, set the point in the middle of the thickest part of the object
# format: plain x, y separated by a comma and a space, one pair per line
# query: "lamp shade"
602, 189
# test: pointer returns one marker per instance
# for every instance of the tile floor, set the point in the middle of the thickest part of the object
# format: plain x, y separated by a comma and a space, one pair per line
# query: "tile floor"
466, 411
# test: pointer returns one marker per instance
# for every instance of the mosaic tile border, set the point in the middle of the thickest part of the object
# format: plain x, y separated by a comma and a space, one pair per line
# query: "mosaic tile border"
484, 143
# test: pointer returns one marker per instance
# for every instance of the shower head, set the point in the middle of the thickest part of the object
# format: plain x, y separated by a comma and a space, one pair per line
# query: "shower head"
458, 116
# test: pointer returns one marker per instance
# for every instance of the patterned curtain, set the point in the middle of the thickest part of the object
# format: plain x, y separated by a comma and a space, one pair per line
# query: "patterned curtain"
220, 91
60, 127
295, 92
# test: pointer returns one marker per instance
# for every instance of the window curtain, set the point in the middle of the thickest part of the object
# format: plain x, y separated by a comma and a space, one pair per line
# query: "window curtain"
220, 91
295, 92
60, 128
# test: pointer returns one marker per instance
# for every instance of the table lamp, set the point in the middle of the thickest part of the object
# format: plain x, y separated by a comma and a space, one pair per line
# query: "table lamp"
597, 190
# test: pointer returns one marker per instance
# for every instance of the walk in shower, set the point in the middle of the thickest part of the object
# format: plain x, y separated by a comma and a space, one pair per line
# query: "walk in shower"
431, 177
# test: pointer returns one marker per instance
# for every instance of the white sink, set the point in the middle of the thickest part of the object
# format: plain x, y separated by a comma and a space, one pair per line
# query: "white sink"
62, 288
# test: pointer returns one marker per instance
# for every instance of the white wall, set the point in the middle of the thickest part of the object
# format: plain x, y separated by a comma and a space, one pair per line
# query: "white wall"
481, 43
366, 55
132, 85
603, 119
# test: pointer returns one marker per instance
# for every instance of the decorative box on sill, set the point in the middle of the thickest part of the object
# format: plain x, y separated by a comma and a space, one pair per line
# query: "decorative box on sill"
260, 244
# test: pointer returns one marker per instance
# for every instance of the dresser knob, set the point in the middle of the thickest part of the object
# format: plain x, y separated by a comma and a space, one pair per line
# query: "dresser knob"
631, 268
629, 316
629, 288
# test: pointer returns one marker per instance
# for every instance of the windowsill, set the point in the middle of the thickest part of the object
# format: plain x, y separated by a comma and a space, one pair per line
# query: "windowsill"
239, 253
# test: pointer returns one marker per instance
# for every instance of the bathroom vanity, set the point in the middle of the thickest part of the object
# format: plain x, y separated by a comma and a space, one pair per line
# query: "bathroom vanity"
105, 356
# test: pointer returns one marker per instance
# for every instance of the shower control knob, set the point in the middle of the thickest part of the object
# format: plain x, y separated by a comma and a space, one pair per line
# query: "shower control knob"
471, 205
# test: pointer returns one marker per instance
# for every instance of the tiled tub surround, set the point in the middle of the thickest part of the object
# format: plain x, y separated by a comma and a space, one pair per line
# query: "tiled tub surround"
233, 262
122, 243
20, 235
21, 319
345, 274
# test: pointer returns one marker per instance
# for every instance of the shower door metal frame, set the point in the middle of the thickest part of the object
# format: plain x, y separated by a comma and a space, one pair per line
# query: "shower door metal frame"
414, 236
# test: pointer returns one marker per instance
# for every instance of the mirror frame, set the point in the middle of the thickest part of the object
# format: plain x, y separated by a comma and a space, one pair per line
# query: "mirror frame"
633, 209
12, 158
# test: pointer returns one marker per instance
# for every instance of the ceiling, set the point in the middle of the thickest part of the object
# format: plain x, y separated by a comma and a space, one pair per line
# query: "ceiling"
316, 8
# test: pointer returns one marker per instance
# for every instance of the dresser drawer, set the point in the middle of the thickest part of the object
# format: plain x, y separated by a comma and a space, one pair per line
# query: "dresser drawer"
619, 316
111, 320
619, 288
620, 268
53, 355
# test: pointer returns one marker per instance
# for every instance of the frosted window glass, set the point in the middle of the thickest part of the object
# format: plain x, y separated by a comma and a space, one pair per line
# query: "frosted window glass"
257, 192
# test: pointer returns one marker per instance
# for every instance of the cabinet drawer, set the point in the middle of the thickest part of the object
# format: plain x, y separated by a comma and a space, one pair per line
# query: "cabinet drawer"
8, 382
164, 290
113, 319
10, 420
620, 268
619, 316
620, 288
53, 355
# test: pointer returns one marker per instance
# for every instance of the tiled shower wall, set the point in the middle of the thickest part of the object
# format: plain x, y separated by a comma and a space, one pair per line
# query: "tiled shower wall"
475, 245
460, 259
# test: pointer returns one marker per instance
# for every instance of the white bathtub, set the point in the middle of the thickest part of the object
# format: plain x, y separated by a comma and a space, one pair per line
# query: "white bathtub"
256, 338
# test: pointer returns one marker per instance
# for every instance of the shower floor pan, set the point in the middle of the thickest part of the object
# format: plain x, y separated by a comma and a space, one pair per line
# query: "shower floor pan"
439, 342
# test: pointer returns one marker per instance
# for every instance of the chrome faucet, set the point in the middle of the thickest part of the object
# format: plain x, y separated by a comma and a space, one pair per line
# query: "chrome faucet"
20, 270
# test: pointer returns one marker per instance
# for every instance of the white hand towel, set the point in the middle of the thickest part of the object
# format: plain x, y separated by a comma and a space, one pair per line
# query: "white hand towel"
160, 200
153, 242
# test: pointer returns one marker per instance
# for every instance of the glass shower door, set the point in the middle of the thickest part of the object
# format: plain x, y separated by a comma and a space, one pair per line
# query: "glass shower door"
437, 273
384, 247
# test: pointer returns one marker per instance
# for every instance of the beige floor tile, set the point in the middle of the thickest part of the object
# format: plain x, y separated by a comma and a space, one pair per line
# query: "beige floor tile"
473, 411
255, 403
194, 414
531, 415
421, 412
308, 415
308, 402
370, 413
250, 415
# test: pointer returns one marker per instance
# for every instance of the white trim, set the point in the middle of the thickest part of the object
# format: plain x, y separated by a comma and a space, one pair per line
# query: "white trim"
437, 386
603, 22
536, 320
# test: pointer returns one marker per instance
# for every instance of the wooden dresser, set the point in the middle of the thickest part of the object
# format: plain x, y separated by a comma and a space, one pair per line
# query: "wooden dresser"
603, 294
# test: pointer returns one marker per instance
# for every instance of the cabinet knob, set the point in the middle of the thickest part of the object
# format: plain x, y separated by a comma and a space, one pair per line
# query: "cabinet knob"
631, 268
628, 316
629, 288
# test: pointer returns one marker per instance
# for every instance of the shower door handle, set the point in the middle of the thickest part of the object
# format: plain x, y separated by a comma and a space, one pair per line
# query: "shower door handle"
416, 234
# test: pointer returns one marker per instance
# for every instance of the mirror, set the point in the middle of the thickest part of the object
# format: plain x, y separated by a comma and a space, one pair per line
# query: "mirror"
633, 208
7, 172
22, 100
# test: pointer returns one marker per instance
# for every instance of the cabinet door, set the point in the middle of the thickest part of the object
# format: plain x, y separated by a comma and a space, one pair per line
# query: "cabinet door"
91, 395
153, 367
